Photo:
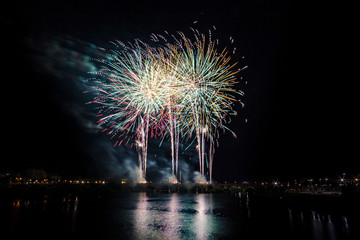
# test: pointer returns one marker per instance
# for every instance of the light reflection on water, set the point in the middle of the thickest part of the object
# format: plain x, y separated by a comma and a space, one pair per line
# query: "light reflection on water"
174, 216
321, 226
202, 221
141, 216
203, 216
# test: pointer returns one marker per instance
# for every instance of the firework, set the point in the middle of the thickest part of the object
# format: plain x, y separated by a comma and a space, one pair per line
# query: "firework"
205, 90
185, 88
130, 93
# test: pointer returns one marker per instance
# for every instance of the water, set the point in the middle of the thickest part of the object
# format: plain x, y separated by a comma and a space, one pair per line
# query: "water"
167, 216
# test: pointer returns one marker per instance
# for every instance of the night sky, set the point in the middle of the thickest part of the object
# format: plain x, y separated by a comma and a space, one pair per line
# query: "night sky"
300, 94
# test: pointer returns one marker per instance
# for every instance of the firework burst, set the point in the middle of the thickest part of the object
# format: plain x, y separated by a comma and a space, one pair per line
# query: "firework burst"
185, 88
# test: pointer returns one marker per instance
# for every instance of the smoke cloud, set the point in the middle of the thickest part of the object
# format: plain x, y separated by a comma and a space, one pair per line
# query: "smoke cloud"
67, 63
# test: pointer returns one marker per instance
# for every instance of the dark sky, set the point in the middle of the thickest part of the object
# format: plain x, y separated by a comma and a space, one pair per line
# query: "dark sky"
299, 113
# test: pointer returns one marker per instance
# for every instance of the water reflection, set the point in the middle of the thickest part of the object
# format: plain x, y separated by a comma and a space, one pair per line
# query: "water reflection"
201, 220
157, 217
142, 217
290, 219
15, 214
211, 197
174, 216
37, 214
346, 225
74, 214
331, 229
318, 226
247, 204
